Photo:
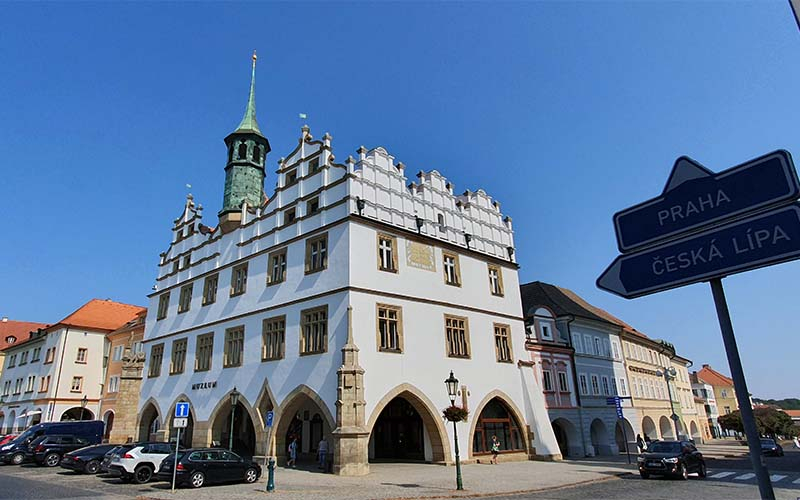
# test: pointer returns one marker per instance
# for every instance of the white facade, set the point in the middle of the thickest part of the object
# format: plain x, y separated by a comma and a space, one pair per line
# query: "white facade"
38, 376
357, 208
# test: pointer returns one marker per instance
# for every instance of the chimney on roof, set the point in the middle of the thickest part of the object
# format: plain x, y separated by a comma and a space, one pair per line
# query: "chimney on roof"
5, 319
706, 366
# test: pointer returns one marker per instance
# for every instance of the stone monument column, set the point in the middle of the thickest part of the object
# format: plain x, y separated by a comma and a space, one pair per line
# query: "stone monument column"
127, 404
350, 438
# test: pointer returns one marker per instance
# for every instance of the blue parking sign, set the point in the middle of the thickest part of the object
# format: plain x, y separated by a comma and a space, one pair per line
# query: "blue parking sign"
181, 410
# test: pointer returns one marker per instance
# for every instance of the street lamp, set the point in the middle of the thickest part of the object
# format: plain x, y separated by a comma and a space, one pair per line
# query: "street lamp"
452, 389
669, 374
84, 402
234, 402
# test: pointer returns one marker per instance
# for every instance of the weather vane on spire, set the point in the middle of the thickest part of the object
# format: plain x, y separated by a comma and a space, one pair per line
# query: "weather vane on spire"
254, 57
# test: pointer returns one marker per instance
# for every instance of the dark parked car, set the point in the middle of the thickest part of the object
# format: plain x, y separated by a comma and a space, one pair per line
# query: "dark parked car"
671, 458
14, 451
201, 466
48, 450
86, 459
7, 438
771, 447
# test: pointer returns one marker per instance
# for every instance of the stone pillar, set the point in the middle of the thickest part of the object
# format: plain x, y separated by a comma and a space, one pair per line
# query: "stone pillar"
350, 438
126, 408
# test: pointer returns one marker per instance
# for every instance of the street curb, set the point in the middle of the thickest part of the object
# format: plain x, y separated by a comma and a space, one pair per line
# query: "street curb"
612, 477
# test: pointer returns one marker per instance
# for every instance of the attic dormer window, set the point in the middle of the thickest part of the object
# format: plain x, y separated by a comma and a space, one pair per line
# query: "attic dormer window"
11, 339
242, 151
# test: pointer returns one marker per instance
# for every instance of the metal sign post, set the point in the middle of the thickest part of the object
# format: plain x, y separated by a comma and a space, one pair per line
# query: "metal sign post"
704, 227
269, 464
742, 395
180, 421
175, 465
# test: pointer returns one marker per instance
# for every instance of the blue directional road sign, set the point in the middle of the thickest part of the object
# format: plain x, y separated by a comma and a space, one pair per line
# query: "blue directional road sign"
270, 417
761, 240
181, 410
695, 197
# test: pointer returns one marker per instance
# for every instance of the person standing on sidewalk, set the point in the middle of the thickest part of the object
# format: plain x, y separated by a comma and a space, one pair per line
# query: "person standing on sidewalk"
495, 450
322, 450
640, 443
292, 453
796, 442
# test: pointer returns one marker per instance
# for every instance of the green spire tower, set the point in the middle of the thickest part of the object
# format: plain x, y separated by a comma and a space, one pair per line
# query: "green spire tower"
244, 171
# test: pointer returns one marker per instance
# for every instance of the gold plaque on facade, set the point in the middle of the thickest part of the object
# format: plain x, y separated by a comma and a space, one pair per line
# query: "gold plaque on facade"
420, 255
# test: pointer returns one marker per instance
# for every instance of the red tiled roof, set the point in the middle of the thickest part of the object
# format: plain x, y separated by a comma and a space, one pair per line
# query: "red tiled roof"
792, 413
102, 315
18, 329
713, 377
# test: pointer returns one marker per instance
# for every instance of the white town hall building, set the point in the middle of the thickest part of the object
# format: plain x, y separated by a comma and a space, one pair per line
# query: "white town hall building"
341, 302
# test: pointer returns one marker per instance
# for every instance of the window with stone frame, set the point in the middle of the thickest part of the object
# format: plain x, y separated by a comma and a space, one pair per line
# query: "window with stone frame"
623, 389
563, 382
452, 272
178, 361
595, 385
312, 206
49, 355
12, 361
239, 279
547, 380
82, 354
156, 357
187, 260
23, 358
163, 305
614, 391
210, 289
113, 384
313, 166
314, 330
234, 347
185, 298
387, 253
457, 336
606, 388
204, 352
77, 384
31, 384
390, 328
316, 254
273, 338
44, 383
495, 280
277, 267
289, 216
502, 343
37, 352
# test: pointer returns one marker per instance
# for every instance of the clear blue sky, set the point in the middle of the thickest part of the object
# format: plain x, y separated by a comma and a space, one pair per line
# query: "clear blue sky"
564, 112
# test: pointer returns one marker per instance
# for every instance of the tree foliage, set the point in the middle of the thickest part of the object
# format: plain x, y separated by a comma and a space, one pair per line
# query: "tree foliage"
786, 404
769, 422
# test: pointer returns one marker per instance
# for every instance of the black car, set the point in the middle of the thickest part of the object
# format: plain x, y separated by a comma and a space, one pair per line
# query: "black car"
200, 466
48, 450
86, 459
113, 452
671, 458
771, 447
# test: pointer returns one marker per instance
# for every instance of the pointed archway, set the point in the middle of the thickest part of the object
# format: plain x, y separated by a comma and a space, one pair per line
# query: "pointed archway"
496, 416
234, 426
435, 444
303, 416
187, 433
149, 421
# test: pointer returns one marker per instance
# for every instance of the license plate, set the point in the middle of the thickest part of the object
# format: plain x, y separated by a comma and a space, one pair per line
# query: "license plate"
654, 464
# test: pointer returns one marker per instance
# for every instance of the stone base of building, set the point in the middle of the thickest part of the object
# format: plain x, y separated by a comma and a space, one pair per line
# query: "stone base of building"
350, 451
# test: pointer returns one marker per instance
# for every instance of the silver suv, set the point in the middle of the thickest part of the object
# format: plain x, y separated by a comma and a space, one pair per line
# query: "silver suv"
141, 462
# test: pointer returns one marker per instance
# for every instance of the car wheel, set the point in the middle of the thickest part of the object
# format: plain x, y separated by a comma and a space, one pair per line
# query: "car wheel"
17, 459
197, 479
142, 474
92, 467
701, 471
52, 459
644, 475
250, 475
683, 473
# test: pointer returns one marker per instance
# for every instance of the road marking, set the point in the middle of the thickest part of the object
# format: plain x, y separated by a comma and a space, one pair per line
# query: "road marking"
720, 475
776, 477
745, 477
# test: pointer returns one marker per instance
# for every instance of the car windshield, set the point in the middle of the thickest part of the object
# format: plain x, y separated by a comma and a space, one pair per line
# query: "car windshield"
768, 441
664, 447
25, 436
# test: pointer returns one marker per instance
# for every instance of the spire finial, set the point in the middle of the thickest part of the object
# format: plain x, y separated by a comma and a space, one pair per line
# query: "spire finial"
249, 123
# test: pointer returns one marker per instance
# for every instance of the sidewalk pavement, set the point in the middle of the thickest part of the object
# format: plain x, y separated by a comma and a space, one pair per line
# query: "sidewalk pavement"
400, 481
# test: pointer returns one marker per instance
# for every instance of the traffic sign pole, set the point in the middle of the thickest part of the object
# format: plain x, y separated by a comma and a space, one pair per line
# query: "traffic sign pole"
175, 465
742, 395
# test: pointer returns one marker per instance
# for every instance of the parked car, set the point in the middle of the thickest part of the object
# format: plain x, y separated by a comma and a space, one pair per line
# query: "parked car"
7, 438
201, 466
140, 462
86, 459
114, 452
671, 458
48, 450
14, 451
771, 447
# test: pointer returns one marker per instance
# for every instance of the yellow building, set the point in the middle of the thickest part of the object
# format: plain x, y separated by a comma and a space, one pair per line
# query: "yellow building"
723, 389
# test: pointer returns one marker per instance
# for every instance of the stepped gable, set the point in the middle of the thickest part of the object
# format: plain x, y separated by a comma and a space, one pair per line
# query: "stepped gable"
98, 314
713, 377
